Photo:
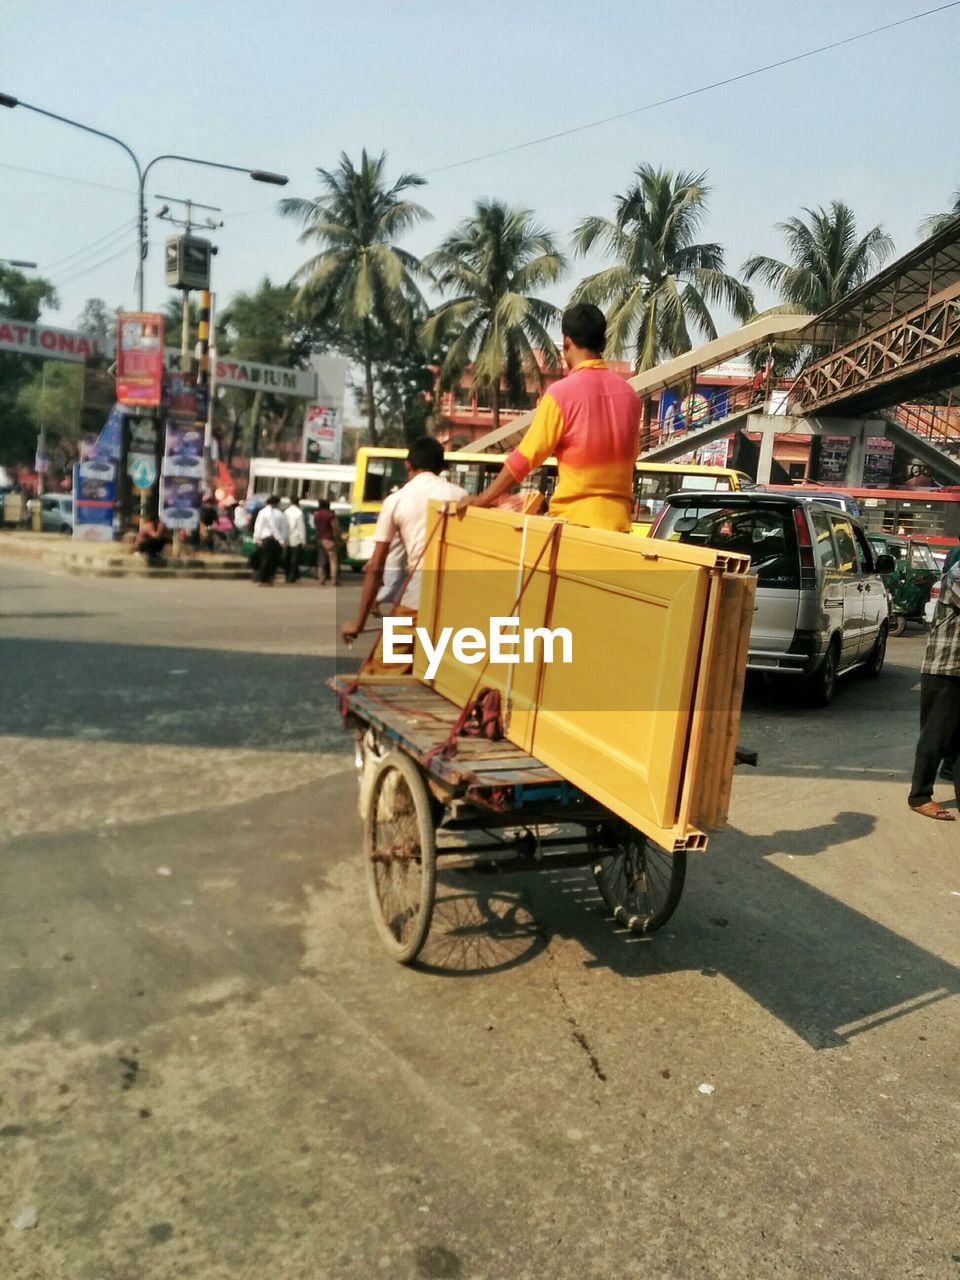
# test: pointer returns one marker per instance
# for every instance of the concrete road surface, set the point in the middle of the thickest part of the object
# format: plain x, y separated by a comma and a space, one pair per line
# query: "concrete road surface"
210, 1069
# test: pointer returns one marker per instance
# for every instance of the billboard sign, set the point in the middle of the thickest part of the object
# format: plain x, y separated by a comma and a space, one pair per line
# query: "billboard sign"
180, 502
94, 495
248, 375
139, 358
34, 339
321, 434
184, 452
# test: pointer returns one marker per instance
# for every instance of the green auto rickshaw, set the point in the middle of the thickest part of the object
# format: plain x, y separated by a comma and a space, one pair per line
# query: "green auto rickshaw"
908, 585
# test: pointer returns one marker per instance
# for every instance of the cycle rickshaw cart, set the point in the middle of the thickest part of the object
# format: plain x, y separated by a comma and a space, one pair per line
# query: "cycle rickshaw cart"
620, 759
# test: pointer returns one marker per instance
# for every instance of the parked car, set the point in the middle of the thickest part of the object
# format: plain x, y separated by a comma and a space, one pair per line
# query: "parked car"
914, 573
56, 513
822, 608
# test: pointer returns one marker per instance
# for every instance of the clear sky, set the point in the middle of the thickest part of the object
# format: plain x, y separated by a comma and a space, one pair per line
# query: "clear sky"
289, 86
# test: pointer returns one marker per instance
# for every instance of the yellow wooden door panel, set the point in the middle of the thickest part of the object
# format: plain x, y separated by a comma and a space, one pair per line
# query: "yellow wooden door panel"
621, 719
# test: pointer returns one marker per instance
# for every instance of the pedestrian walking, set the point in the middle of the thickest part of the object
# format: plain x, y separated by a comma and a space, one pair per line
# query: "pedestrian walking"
328, 543
269, 533
296, 529
939, 703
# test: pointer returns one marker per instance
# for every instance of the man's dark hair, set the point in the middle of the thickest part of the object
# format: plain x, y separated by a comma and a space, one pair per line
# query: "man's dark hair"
586, 327
273, 500
323, 504
426, 454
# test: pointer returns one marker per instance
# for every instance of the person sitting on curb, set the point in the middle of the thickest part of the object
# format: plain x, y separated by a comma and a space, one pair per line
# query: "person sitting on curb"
151, 538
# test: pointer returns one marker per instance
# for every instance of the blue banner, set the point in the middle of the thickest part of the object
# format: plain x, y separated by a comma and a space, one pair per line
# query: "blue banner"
110, 439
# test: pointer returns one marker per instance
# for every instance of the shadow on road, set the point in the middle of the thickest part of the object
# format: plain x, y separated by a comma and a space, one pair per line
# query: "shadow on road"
158, 695
823, 969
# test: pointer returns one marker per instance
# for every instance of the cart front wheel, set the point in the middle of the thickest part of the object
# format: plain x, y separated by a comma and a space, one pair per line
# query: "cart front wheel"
400, 856
640, 882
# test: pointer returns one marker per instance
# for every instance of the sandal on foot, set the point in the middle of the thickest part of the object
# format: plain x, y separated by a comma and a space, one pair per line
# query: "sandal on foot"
933, 810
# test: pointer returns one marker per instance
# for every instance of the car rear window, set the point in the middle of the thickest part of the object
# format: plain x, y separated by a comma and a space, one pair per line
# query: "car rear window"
764, 533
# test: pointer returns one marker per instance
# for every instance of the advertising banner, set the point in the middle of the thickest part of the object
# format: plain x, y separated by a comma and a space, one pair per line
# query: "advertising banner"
714, 454
139, 358
110, 441
179, 502
834, 451
706, 404
877, 462
94, 495
184, 452
321, 434
185, 401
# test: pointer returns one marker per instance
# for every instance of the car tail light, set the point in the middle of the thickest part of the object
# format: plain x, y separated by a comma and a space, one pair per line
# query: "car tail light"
808, 569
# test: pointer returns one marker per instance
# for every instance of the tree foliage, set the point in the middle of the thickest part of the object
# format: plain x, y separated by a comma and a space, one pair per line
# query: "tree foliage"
827, 259
490, 264
930, 226
663, 281
360, 282
260, 325
21, 298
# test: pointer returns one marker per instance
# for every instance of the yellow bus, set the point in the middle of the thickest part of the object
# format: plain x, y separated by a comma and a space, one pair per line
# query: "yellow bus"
381, 471
653, 482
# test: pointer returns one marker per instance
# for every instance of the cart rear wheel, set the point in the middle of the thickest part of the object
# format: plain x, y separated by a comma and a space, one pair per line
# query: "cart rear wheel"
898, 624
400, 855
640, 882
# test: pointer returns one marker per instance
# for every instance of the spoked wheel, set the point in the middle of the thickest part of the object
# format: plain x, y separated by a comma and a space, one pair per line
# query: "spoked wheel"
640, 882
400, 855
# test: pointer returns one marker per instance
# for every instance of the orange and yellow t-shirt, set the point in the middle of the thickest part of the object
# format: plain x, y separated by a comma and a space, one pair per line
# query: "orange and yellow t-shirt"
589, 422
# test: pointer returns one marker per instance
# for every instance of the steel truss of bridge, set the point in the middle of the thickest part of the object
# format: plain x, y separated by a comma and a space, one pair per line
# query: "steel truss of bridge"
895, 339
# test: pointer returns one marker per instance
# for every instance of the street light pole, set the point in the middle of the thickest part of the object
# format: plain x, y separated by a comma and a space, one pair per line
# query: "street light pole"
258, 175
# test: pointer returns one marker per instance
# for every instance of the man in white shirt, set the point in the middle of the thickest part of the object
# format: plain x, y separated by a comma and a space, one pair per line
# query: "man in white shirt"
270, 534
404, 516
296, 530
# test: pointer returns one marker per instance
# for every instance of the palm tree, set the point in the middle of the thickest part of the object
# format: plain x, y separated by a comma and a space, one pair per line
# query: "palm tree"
663, 281
827, 259
930, 226
490, 264
360, 279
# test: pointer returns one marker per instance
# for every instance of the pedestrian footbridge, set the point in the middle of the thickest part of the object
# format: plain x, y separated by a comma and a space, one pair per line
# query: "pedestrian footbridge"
885, 361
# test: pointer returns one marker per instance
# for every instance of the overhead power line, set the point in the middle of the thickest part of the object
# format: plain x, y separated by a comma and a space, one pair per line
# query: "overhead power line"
71, 260
93, 266
65, 177
691, 93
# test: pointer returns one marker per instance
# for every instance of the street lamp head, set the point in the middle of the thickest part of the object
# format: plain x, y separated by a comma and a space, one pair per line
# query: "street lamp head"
274, 179
16, 262
8, 100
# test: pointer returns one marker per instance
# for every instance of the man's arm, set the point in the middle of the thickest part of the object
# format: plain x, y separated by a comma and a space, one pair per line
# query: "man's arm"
541, 439
372, 582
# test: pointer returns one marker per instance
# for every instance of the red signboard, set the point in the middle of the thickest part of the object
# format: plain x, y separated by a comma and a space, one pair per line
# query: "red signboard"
139, 358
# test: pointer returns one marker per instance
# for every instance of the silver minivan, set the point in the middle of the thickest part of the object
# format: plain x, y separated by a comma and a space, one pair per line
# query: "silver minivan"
822, 608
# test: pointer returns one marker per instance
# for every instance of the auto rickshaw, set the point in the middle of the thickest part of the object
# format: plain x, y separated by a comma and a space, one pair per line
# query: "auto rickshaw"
908, 585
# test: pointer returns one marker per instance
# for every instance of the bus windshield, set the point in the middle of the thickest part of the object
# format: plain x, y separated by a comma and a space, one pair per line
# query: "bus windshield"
381, 471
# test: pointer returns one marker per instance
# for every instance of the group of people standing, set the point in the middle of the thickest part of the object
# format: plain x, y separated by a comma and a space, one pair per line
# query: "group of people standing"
281, 536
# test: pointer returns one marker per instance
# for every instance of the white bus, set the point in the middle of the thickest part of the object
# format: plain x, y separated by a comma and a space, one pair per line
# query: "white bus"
307, 480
